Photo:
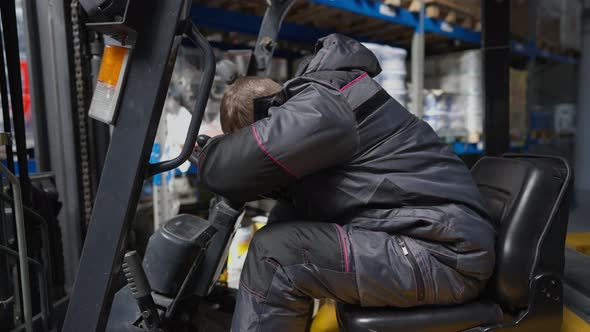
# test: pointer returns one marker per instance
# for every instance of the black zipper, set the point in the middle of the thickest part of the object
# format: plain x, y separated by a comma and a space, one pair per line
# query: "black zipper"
420, 289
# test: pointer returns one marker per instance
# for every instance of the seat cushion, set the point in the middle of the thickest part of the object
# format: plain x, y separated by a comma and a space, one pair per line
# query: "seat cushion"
421, 319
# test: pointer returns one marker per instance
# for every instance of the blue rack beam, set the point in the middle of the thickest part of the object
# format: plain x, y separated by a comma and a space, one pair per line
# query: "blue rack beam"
229, 20
402, 16
280, 53
533, 52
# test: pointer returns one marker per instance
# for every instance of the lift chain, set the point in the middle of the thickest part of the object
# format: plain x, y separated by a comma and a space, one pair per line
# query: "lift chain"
81, 111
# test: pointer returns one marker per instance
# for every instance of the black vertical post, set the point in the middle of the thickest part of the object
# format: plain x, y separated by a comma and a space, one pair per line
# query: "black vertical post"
6, 227
38, 107
127, 161
10, 34
5, 108
496, 59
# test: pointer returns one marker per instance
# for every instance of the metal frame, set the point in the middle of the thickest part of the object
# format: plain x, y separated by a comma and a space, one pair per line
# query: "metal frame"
37, 93
496, 79
22, 246
126, 165
417, 64
6, 232
55, 79
43, 320
5, 108
261, 59
191, 32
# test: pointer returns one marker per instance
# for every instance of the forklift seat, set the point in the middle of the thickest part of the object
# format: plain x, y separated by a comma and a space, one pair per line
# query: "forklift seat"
527, 199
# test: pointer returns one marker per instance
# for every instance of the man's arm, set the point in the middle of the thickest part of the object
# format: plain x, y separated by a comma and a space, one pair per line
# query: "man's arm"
313, 130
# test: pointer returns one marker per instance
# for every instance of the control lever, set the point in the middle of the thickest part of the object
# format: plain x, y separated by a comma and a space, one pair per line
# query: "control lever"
223, 217
141, 290
202, 140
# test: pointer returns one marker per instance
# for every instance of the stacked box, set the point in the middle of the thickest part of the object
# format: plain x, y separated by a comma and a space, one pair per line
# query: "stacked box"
548, 22
457, 78
565, 119
571, 22
542, 119
558, 22
444, 112
393, 70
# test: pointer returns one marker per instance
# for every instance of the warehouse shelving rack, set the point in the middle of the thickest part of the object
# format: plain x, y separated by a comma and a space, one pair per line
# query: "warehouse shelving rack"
377, 18
234, 20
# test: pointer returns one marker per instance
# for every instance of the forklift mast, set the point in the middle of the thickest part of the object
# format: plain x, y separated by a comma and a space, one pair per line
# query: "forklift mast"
156, 28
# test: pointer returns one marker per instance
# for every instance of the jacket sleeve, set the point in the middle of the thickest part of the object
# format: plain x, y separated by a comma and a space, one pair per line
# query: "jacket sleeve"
313, 130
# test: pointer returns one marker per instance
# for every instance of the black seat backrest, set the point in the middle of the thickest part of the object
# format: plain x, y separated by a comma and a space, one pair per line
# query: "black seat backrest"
525, 198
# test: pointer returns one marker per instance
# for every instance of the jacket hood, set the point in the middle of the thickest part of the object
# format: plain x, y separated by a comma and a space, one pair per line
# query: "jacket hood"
338, 52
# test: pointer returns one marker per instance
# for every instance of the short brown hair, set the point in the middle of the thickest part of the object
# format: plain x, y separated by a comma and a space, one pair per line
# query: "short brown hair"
237, 104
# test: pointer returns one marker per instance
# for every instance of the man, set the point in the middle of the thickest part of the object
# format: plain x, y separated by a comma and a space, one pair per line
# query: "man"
377, 211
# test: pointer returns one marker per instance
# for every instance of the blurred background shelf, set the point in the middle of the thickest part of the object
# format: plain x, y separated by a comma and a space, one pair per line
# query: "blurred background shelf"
447, 24
545, 50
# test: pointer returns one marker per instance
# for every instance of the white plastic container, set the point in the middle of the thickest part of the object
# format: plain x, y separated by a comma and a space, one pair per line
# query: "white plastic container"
393, 70
401, 96
390, 58
393, 81
237, 254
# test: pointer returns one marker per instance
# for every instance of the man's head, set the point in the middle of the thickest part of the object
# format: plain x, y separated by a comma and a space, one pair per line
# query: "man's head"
237, 105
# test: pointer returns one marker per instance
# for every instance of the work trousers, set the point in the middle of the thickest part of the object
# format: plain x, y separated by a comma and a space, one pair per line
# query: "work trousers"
291, 263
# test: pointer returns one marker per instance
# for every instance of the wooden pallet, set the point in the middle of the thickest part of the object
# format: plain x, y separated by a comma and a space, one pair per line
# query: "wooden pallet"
369, 28
465, 13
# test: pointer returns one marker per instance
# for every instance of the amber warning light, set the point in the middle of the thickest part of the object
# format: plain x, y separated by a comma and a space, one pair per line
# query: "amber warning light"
110, 79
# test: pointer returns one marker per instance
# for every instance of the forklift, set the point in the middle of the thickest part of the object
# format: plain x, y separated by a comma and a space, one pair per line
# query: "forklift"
159, 296
173, 285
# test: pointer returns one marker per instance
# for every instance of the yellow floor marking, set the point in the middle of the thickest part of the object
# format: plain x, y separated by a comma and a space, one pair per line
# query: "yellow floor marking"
573, 322
579, 241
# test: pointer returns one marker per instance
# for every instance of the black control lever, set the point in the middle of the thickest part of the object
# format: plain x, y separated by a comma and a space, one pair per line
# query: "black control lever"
202, 140
223, 217
141, 290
